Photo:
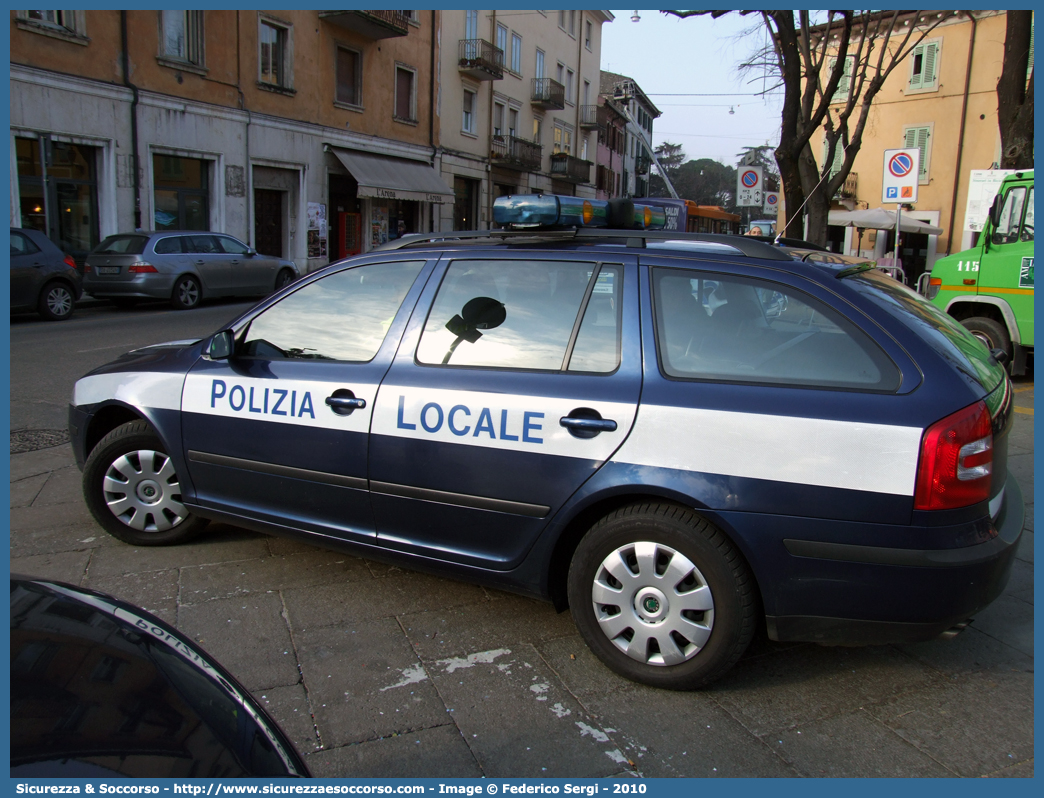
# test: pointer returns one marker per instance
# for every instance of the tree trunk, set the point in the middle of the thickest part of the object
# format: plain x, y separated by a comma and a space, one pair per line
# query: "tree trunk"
1014, 96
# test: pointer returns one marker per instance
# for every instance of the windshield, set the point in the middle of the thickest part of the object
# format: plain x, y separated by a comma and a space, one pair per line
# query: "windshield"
945, 334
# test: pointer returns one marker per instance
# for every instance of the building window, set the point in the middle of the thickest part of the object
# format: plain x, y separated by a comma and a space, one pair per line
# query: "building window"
588, 34
538, 128
921, 138
66, 25
405, 95
539, 70
349, 76
502, 35
562, 19
512, 121
498, 119
569, 86
275, 54
182, 193
58, 192
563, 139
844, 86
467, 123
182, 38
572, 23
924, 67
516, 53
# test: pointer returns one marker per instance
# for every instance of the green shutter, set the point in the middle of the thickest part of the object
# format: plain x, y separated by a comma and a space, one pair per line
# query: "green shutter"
839, 157
918, 137
1029, 67
915, 77
931, 54
844, 86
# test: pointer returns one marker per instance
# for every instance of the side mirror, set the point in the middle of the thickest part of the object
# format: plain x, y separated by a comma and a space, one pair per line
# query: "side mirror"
995, 212
221, 346
251, 252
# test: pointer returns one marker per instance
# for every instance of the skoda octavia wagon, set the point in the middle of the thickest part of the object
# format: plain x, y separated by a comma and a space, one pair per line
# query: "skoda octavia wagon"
678, 437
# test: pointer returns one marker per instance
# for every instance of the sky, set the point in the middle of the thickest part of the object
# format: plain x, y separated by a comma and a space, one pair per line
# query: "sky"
667, 55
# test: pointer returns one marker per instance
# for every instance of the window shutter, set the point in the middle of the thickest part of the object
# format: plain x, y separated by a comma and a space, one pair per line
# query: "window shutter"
922, 146
931, 53
915, 77
1029, 66
839, 157
910, 138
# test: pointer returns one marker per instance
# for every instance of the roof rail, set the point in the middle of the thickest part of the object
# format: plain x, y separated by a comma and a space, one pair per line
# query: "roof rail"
633, 238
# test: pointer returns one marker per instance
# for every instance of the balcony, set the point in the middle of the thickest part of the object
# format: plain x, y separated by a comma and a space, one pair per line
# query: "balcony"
642, 165
849, 188
548, 93
593, 117
566, 167
513, 152
480, 59
371, 24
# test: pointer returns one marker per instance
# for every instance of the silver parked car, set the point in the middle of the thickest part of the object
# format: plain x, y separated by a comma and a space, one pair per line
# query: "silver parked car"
182, 266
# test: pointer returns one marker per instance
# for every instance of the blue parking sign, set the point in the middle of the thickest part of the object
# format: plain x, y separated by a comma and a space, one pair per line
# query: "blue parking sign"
892, 193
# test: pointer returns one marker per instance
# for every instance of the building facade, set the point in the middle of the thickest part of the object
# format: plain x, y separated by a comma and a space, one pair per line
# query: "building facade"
307, 134
517, 107
942, 101
626, 94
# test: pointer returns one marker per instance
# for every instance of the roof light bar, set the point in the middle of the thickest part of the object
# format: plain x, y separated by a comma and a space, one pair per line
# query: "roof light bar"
554, 210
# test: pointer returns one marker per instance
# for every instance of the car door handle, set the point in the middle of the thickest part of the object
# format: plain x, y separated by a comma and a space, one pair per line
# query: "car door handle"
589, 424
343, 402
199, 263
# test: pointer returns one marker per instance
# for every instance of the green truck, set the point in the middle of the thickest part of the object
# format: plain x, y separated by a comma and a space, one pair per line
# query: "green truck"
989, 288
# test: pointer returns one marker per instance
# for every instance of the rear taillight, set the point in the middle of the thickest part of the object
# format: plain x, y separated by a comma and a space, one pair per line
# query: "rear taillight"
142, 268
956, 461
68, 260
934, 284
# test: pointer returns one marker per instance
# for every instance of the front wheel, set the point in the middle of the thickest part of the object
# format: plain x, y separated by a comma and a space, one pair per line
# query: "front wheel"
56, 302
132, 490
990, 333
187, 293
662, 597
283, 279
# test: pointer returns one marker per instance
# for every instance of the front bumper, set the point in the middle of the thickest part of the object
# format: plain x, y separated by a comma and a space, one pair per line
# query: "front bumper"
923, 593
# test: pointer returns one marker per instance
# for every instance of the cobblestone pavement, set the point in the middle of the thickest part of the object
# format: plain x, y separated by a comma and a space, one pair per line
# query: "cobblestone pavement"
377, 671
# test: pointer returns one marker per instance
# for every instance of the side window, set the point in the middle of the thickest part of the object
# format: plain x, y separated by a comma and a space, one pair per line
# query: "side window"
1007, 230
1027, 222
723, 327
597, 347
170, 245
230, 246
203, 245
342, 317
21, 245
505, 314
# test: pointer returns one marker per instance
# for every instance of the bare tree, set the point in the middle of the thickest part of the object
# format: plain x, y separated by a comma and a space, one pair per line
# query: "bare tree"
1015, 93
850, 52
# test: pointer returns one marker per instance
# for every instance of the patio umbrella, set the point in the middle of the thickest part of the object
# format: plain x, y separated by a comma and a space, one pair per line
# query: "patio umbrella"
880, 219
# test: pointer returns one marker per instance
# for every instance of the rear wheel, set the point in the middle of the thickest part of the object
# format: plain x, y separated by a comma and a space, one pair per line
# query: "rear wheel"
132, 490
662, 597
990, 333
187, 293
56, 301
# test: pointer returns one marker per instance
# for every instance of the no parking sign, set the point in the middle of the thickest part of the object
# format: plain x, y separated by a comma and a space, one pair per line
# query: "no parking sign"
748, 186
771, 202
901, 175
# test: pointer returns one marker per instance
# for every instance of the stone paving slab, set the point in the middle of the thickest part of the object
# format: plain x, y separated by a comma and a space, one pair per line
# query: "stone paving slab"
155, 591
365, 682
438, 752
290, 705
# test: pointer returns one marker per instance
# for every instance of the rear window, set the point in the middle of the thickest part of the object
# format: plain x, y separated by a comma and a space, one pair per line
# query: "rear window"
945, 334
727, 328
122, 245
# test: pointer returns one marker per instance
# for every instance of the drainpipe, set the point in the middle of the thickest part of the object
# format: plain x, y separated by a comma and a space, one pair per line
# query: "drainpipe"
133, 120
431, 120
960, 137
249, 169
489, 199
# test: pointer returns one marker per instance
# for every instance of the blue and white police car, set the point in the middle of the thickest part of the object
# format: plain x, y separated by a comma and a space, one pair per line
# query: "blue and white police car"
679, 437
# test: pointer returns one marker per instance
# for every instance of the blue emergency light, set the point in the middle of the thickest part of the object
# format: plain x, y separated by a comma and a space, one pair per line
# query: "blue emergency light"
553, 210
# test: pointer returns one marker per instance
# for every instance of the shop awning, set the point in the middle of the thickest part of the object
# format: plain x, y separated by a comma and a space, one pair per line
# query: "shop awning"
385, 177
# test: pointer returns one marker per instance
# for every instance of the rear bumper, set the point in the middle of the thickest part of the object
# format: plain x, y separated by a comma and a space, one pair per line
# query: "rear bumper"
934, 589
144, 286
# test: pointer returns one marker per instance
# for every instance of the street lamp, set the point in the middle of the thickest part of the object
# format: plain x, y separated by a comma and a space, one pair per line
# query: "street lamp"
635, 17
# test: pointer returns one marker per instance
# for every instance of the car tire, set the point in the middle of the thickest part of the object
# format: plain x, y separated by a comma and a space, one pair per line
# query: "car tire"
131, 489
187, 293
57, 301
679, 636
990, 333
283, 279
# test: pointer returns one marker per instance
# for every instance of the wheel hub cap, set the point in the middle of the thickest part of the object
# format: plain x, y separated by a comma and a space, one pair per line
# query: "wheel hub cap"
142, 490
653, 603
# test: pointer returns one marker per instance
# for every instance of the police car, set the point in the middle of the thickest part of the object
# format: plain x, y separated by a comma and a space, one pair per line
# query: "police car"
678, 436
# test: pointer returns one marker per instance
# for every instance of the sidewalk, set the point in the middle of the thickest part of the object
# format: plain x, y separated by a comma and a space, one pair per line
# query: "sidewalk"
376, 671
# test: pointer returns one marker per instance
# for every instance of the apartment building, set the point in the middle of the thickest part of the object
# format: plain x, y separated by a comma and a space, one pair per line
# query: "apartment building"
941, 100
626, 94
307, 134
517, 107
